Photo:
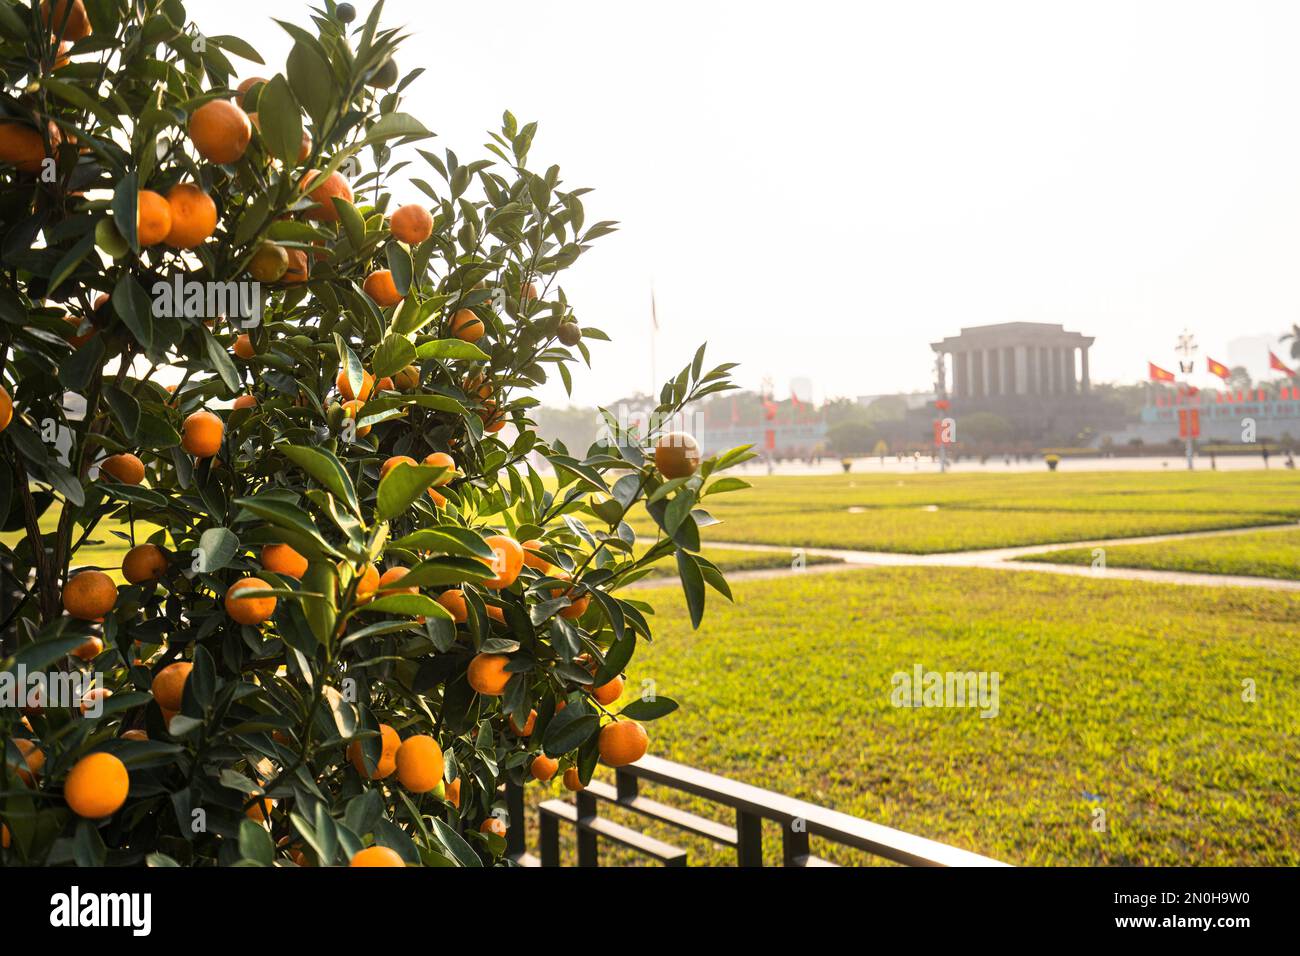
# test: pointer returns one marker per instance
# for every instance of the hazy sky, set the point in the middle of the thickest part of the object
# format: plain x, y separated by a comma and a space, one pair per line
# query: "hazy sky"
820, 189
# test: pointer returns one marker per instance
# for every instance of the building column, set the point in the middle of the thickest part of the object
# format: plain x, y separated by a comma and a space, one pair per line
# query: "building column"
994, 373
1021, 365
1058, 355
1071, 384
1083, 361
977, 373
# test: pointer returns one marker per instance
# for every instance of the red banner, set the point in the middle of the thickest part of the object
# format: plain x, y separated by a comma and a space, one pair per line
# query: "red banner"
1189, 423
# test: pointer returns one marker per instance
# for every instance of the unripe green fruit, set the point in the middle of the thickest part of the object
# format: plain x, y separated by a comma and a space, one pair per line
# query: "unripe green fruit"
334, 416
109, 240
570, 333
385, 76
346, 12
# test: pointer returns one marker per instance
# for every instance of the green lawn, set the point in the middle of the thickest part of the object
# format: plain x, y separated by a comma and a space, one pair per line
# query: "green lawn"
1264, 554
1116, 695
934, 513
734, 559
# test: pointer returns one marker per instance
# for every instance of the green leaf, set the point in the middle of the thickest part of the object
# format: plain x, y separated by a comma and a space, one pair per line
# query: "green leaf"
220, 360
217, 546
451, 349
255, 843
280, 120
323, 466
83, 365
395, 352
402, 485
563, 736
651, 709
436, 572
290, 517
411, 605
134, 307
393, 126
692, 585
447, 539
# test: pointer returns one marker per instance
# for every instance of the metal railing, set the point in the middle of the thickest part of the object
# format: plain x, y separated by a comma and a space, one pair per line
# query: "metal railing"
798, 820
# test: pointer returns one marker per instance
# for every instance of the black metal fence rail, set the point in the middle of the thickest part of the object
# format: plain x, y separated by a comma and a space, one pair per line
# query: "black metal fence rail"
798, 820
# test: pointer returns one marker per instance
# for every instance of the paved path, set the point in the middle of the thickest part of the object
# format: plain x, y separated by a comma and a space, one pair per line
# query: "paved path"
1004, 559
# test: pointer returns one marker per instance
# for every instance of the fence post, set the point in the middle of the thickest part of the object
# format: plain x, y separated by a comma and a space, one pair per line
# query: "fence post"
749, 839
588, 852
517, 828
625, 783
794, 843
548, 831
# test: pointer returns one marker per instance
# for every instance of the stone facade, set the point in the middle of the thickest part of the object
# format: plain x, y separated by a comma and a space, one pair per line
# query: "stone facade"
1015, 359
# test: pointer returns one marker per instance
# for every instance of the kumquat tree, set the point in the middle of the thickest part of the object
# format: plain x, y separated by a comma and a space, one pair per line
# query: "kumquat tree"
289, 577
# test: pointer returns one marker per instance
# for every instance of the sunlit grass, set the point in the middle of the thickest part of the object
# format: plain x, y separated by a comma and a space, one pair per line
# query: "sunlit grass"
1266, 554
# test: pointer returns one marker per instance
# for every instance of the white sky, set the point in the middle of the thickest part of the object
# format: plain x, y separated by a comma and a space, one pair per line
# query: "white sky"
820, 189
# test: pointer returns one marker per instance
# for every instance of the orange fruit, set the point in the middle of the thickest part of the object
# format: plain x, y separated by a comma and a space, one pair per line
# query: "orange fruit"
201, 434
528, 293
75, 339
96, 786
194, 216
385, 384
282, 559
21, 145
622, 742
269, 263
577, 606
380, 287
126, 468
353, 410
411, 224
304, 149
144, 562
260, 812
419, 764
496, 613
369, 583
439, 500
298, 270
453, 600
220, 131
249, 610
440, 459
89, 595
534, 560
488, 675
245, 401
493, 825
168, 685
6, 408
467, 326
527, 729
94, 694
392, 463
453, 793
408, 379
543, 767
390, 581
153, 218
508, 560
65, 19
389, 744
376, 856
89, 650
608, 692
244, 87
4, 836
33, 761
331, 186
244, 347
573, 780
677, 455
345, 387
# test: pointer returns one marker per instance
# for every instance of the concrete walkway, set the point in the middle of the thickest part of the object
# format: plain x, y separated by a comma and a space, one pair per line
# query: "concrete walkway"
1004, 559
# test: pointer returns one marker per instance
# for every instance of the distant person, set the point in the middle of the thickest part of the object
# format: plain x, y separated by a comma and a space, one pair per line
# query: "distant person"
1290, 461
846, 464
1214, 463
1264, 451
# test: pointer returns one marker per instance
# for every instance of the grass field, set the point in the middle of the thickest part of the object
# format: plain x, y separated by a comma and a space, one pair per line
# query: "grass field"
1116, 695
1265, 554
933, 513
734, 559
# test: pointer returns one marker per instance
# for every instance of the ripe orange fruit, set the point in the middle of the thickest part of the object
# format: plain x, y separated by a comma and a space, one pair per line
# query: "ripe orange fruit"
33, 761
577, 605
220, 131
369, 583
249, 610
153, 218
299, 269
622, 742
144, 562
4, 836
411, 224
282, 559
385, 384
439, 500
389, 744
453, 793
376, 856
493, 825
496, 613
408, 379
453, 600
608, 692
573, 780
493, 420
89, 650
304, 149
487, 674
244, 347
75, 339
390, 582
168, 685
321, 193
353, 410
260, 812
440, 459
527, 729
96, 786
201, 434
269, 263
677, 455
419, 764
194, 216
543, 767
532, 559
89, 595
345, 387
507, 562
22, 146
467, 326
392, 463
528, 293
245, 401
6, 408
244, 88
380, 287
126, 468
65, 19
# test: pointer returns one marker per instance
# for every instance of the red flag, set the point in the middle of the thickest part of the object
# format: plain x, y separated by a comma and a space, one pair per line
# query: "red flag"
769, 409
1157, 374
735, 412
1276, 364
1217, 368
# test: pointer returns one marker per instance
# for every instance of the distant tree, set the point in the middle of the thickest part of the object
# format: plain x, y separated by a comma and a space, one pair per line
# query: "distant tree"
1239, 378
1294, 338
575, 425
983, 428
839, 410
852, 438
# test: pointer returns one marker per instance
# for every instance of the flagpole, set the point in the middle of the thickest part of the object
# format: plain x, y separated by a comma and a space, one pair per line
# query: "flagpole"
654, 335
